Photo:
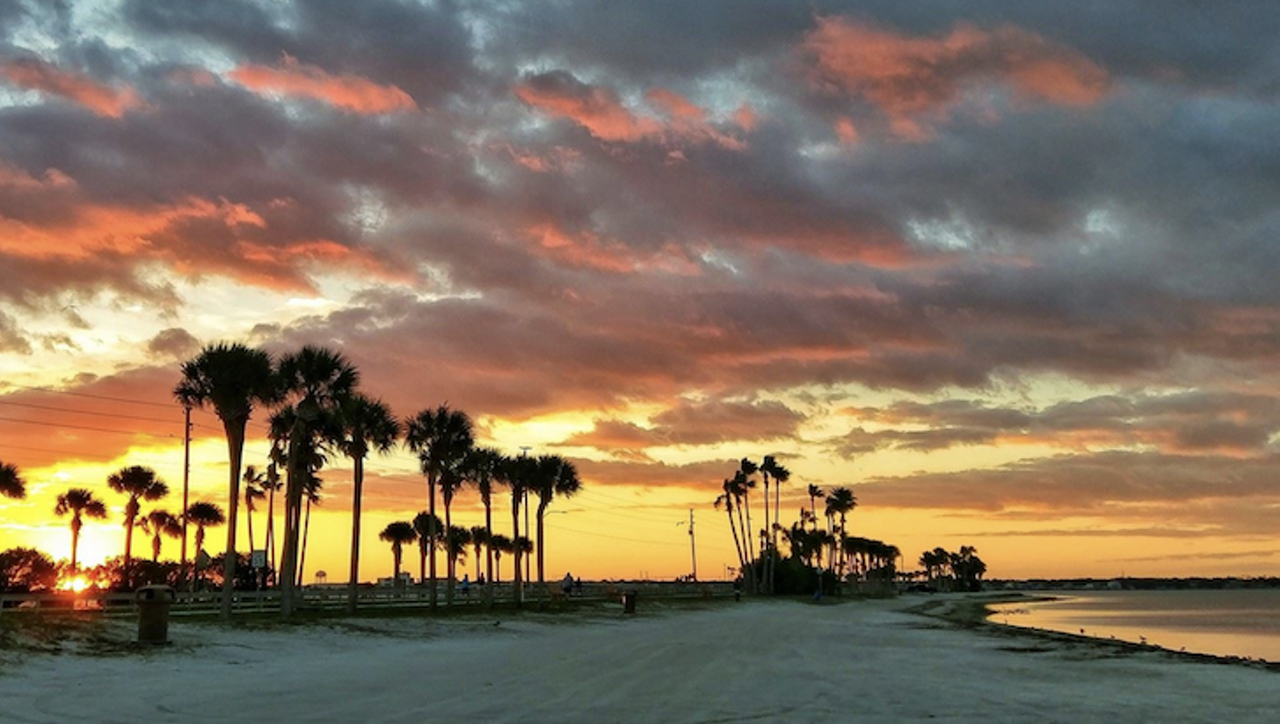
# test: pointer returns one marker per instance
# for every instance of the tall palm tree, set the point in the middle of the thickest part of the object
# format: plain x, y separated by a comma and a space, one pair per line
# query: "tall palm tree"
814, 493
747, 469
517, 474
398, 534
272, 485
367, 424
233, 379
485, 467
555, 476
253, 492
441, 438
726, 499
80, 503
204, 515
317, 380
840, 502
160, 523
771, 468
11, 483
139, 483
429, 530
498, 544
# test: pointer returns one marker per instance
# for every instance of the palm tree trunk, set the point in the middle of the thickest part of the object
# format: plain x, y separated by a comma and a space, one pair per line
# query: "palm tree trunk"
128, 552
431, 538
271, 528
306, 533
749, 572
235, 451
777, 504
768, 561
422, 563
517, 591
488, 554
451, 561
354, 576
736, 544
75, 540
248, 515
541, 516
155, 548
396, 554
292, 495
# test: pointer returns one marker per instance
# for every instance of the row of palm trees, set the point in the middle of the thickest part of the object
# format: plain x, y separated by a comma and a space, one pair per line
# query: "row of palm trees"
962, 569
319, 412
454, 543
762, 547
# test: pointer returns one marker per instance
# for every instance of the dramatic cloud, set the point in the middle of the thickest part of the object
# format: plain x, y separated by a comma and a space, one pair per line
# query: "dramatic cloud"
105, 100
345, 91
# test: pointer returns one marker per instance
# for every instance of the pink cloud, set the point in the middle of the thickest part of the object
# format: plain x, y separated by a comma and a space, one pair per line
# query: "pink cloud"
346, 91
32, 74
914, 77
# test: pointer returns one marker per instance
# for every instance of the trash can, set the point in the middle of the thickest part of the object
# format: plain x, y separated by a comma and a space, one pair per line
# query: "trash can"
153, 613
629, 601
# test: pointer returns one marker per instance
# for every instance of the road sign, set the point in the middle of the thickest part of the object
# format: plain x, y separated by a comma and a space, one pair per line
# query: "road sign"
258, 559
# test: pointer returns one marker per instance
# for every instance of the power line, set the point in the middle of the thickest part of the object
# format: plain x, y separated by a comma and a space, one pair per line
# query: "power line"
148, 403
87, 412
76, 427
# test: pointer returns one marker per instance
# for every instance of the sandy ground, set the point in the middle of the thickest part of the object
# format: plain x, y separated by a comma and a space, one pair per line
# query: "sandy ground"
759, 661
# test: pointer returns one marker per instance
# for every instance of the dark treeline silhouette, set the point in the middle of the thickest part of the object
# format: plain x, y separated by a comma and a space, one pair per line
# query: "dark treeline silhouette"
959, 571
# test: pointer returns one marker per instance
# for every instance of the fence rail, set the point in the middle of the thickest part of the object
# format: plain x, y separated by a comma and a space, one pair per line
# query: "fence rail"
333, 597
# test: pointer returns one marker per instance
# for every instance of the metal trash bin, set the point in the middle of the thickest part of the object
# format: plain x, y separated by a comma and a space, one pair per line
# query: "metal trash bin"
629, 601
153, 613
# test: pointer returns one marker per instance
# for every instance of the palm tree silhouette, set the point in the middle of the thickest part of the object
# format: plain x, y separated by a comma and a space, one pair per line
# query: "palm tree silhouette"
204, 515
272, 485
727, 499
554, 476
485, 467
11, 483
80, 503
518, 472
139, 483
456, 543
441, 438
479, 537
311, 492
160, 523
814, 493
366, 424
780, 476
253, 492
398, 534
233, 379
429, 531
318, 379
451, 481
840, 502
498, 544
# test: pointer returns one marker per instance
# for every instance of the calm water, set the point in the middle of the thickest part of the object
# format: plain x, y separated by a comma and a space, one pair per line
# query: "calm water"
1226, 623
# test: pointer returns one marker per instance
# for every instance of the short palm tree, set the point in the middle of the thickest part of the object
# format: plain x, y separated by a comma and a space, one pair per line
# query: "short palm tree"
814, 493
456, 542
233, 379
479, 537
840, 502
80, 503
271, 484
367, 424
139, 483
253, 492
11, 483
204, 515
499, 544
441, 438
398, 534
160, 523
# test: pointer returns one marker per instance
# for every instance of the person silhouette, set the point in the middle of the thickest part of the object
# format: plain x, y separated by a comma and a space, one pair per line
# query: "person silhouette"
567, 584
466, 584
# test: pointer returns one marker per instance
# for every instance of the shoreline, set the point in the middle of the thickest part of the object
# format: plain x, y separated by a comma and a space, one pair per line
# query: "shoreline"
973, 612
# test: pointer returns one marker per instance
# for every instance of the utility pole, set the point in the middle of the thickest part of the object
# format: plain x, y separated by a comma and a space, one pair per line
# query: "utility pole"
186, 483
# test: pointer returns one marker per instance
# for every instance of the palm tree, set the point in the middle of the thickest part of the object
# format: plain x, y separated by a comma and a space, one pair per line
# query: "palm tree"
366, 424
517, 474
253, 492
479, 536
398, 534
814, 493
428, 528
139, 483
522, 547
451, 481
272, 485
498, 544
11, 483
555, 476
441, 438
766, 469
80, 503
727, 500
318, 379
160, 523
456, 542
780, 474
484, 467
746, 469
233, 379
841, 502
204, 515
311, 492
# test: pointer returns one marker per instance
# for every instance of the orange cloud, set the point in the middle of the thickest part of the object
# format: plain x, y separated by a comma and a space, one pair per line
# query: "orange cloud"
346, 91
908, 77
589, 251
602, 113
32, 74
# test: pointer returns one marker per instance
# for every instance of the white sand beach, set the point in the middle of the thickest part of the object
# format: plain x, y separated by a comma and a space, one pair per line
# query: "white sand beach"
764, 661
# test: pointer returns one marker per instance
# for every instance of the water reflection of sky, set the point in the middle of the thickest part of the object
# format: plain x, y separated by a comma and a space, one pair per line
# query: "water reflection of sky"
1226, 623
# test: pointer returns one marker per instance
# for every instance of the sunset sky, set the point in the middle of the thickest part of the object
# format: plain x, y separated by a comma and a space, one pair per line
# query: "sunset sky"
1008, 270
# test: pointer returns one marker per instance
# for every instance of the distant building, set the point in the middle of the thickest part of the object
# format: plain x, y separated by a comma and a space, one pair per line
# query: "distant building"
390, 581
